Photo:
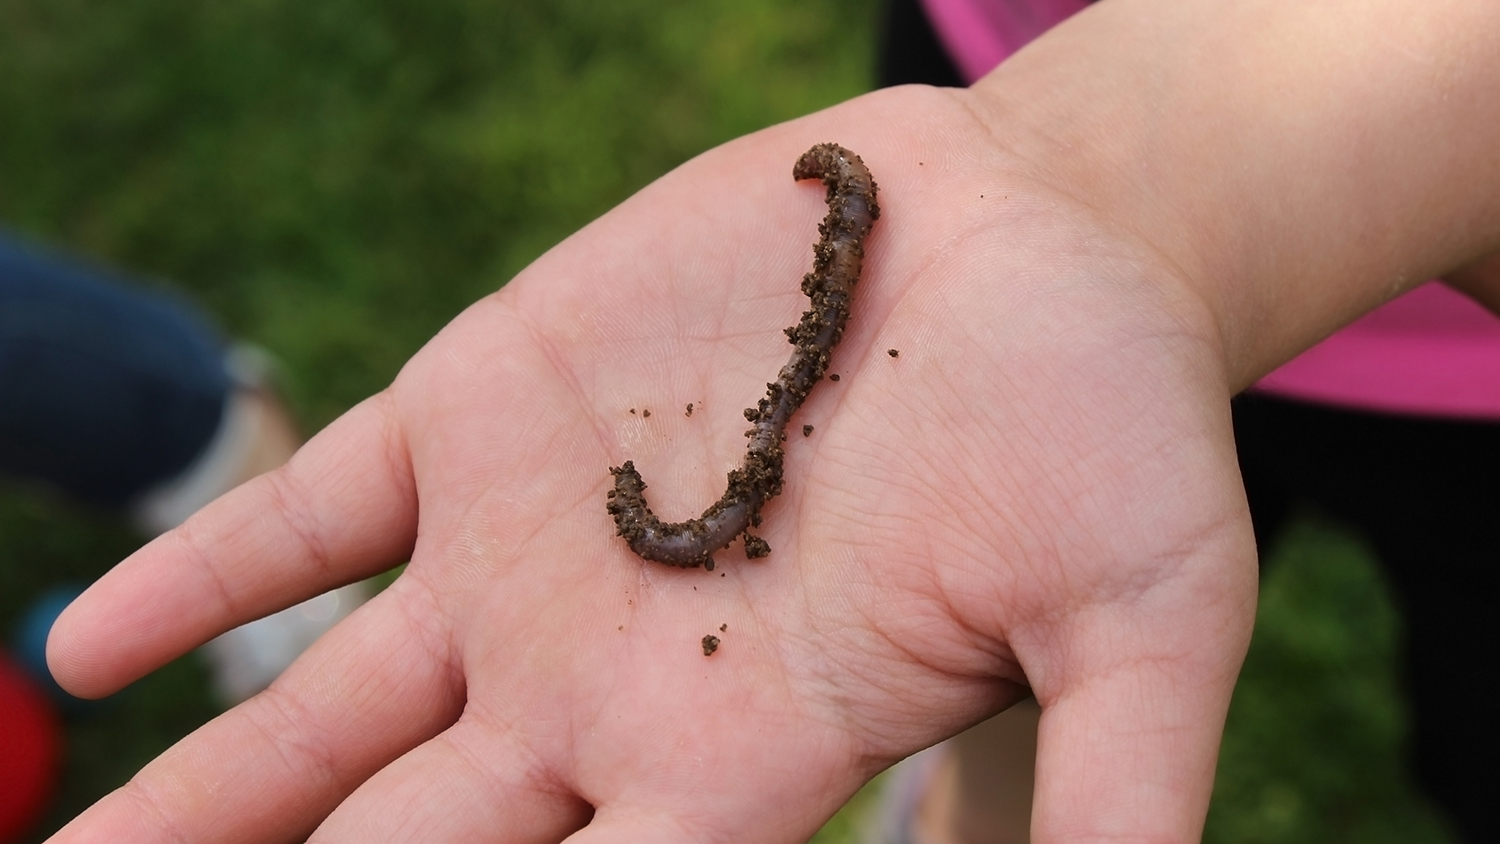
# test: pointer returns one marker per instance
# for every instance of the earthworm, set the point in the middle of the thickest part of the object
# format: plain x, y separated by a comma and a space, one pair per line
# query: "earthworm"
837, 258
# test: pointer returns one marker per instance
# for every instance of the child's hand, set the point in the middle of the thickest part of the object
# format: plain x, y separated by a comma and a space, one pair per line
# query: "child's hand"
1040, 489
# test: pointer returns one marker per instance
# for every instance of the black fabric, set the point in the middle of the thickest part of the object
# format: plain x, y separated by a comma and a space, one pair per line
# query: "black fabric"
910, 52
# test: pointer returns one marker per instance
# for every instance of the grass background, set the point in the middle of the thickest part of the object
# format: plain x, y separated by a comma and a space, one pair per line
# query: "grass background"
336, 180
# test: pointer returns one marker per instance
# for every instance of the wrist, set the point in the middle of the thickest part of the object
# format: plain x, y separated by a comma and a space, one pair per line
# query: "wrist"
1276, 156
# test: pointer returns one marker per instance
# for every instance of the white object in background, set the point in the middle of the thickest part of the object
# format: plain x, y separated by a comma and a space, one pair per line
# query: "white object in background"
245, 660
222, 464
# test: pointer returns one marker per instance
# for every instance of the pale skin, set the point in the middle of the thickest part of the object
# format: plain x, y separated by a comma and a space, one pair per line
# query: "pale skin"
1080, 260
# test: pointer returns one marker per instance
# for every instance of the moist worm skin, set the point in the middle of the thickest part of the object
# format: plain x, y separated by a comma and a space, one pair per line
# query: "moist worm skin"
838, 255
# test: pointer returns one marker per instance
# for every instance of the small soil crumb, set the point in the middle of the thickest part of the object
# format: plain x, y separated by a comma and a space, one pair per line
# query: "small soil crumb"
632, 411
895, 353
833, 377
723, 627
710, 644
807, 430
755, 547
646, 414
690, 409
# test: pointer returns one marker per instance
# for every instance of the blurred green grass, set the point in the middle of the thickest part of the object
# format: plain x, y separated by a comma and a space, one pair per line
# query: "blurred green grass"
1313, 748
336, 180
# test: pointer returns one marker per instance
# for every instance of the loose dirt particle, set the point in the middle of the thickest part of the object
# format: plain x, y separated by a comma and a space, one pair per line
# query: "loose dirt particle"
807, 430
710, 644
755, 547
690, 409
833, 377
838, 256
895, 353
645, 414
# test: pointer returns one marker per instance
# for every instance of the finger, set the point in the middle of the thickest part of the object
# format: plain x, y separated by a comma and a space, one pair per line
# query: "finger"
1127, 752
271, 769
342, 509
619, 825
470, 784
684, 824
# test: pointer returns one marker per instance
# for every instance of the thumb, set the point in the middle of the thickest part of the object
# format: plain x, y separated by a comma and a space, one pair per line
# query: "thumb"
1127, 750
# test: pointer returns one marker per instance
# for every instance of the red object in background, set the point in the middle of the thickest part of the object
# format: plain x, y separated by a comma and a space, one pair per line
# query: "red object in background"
29, 744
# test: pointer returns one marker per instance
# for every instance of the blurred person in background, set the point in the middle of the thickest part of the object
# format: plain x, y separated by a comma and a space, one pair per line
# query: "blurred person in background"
128, 400
124, 398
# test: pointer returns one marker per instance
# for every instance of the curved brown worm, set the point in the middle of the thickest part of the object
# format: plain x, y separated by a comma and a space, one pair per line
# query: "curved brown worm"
838, 256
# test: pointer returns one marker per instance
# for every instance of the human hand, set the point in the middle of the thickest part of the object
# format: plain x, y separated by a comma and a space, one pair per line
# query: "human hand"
1040, 490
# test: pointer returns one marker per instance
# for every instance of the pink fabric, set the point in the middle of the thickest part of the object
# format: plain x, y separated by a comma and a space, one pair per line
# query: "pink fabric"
979, 34
1433, 351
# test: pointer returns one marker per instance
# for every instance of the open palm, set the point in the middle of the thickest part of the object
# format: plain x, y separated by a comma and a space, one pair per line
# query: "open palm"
1037, 490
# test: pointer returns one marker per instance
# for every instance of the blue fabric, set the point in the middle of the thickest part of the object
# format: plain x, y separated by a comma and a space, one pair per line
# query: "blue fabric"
105, 389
